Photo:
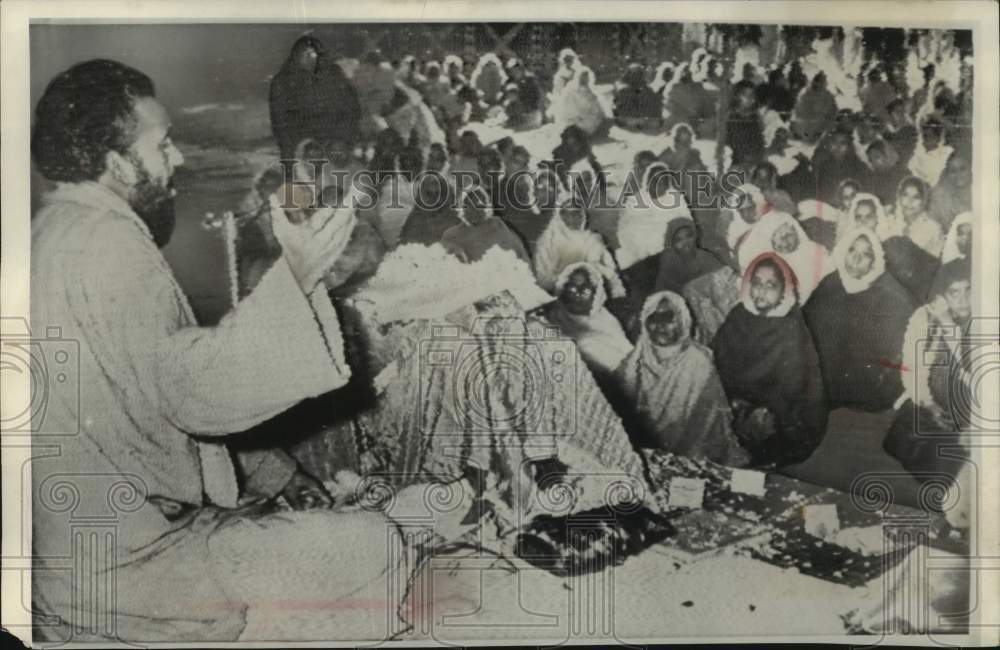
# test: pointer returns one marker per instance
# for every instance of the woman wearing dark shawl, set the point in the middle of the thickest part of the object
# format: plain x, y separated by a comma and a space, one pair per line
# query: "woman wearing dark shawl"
857, 317
433, 211
744, 128
677, 401
682, 259
480, 230
834, 161
635, 102
929, 434
769, 367
815, 110
310, 98
531, 204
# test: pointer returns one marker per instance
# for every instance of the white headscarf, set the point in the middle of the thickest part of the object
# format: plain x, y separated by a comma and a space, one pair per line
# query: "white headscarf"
808, 260
852, 284
598, 335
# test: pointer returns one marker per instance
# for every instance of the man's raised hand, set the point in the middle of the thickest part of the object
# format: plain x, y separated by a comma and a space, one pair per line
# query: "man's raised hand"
314, 245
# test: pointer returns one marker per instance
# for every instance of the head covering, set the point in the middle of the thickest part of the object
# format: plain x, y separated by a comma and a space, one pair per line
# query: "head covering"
790, 297
951, 251
675, 129
567, 51
852, 284
680, 310
596, 279
809, 261
848, 222
659, 83
598, 335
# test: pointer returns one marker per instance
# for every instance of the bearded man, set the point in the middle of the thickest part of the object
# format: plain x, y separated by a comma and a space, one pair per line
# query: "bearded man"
187, 553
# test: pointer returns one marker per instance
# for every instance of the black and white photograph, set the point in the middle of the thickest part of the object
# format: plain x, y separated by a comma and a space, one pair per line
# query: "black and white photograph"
403, 324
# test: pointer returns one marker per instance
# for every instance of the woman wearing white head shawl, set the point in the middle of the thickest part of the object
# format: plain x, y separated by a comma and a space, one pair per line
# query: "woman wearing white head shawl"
662, 77
865, 211
769, 367
857, 317
746, 206
958, 244
910, 219
566, 240
568, 60
489, 78
781, 233
578, 104
580, 314
675, 400
643, 224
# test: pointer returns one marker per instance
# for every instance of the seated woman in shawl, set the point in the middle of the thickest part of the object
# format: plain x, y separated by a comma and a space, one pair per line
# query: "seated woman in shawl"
864, 211
433, 211
536, 197
958, 244
953, 193
744, 128
815, 110
643, 223
931, 154
744, 209
580, 313
769, 367
396, 199
683, 159
480, 230
635, 104
936, 376
913, 241
567, 240
781, 233
683, 259
578, 104
489, 79
765, 177
566, 72
909, 217
834, 161
857, 317
671, 390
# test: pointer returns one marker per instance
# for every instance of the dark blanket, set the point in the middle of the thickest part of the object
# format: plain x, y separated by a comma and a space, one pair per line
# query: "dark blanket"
771, 362
320, 104
911, 265
859, 338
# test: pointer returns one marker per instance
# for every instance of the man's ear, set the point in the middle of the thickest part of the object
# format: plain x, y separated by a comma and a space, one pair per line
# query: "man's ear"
120, 168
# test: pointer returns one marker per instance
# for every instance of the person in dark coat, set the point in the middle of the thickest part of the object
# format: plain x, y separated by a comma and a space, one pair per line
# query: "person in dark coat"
857, 317
834, 161
769, 367
744, 129
310, 98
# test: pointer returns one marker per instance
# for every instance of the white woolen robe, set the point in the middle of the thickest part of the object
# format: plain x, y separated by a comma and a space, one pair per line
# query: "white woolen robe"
149, 395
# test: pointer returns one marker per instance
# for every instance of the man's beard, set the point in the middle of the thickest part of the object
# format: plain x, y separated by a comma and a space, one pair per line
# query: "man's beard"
154, 204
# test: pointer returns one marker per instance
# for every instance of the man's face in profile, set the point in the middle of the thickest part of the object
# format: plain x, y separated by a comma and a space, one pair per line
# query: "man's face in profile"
154, 158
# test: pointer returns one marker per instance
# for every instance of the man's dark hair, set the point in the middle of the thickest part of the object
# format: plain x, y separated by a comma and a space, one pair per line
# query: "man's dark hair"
84, 113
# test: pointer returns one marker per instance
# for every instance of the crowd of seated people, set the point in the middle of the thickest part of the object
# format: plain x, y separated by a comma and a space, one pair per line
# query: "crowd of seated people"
725, 318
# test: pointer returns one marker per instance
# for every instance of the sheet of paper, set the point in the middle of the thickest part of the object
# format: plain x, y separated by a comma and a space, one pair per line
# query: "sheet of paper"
686, 492
748, 481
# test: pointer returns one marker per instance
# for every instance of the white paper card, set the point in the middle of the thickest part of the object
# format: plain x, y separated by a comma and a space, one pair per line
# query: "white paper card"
821, 520
748, 481
686, 492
